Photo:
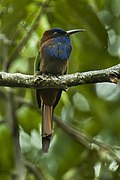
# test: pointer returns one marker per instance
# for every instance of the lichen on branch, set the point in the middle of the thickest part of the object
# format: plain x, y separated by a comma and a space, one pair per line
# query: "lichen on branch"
111, 74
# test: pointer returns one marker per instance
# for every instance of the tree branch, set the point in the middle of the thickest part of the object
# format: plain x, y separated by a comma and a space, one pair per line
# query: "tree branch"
87, 141
34, 170
25, 38
61, 82
19, 170
90, 143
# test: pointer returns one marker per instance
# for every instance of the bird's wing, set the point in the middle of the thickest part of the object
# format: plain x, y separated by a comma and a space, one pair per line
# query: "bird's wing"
58, 94
36, 72
37, 64
57, 98
38, 97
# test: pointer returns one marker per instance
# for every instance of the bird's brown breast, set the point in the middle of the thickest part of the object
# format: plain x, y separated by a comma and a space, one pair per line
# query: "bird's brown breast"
53, 66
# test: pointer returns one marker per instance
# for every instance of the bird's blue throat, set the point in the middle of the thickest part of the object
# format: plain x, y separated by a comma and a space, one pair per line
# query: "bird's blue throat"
59, 48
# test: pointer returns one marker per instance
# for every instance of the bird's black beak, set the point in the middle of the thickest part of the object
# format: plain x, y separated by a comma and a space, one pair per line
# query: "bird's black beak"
75, 31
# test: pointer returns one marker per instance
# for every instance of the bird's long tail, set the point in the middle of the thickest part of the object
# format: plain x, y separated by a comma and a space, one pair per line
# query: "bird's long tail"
47, 113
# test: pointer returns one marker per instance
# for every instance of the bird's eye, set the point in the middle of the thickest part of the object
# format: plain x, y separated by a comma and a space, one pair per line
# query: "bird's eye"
55, 33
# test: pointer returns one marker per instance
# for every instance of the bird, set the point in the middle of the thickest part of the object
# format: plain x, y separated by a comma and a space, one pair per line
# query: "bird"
52, 59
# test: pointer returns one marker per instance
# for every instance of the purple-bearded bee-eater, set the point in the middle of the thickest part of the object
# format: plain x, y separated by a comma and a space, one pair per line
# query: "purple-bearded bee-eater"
53, 56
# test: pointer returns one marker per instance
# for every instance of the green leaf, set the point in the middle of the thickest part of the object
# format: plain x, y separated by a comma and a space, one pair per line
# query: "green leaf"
6, 151
28, 118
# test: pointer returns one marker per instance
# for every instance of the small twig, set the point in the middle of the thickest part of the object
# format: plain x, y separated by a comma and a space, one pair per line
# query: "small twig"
33, 169
61, 82
23, 101
84, 139
25, 38
87, 141
19, 171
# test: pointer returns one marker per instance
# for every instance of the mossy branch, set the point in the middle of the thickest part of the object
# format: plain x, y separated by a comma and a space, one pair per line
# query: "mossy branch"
111, 74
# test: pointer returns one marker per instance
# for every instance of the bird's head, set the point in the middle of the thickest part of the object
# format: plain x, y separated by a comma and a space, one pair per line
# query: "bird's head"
55, 43
58, 32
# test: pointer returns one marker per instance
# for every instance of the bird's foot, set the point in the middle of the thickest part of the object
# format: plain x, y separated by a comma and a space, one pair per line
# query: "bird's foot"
36, 76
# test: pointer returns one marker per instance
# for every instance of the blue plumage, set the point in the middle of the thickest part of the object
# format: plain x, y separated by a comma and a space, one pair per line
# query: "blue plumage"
55, 49
59, 48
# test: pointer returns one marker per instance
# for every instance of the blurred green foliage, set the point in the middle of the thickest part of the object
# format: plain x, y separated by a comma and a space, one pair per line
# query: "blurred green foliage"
93, 109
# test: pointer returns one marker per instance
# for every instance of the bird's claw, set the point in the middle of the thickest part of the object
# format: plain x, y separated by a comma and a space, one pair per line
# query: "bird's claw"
114, 77
36, 76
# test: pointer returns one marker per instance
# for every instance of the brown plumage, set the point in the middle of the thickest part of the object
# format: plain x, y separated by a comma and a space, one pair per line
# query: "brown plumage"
55, 49
49, 98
